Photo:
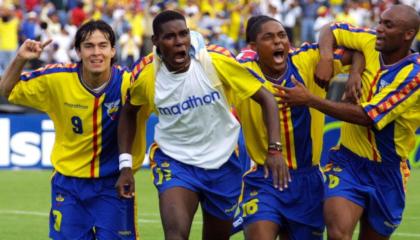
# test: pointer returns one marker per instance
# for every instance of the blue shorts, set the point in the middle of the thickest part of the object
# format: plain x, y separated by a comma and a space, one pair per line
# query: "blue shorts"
377, 187
219, 189
297, 209
83, 208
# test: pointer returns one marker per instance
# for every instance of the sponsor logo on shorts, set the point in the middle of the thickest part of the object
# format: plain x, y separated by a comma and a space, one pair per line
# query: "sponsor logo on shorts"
390, 225
124, 233
337, 169
316, 233
253, 193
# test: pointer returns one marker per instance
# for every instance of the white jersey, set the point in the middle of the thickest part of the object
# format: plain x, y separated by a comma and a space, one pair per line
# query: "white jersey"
195, 124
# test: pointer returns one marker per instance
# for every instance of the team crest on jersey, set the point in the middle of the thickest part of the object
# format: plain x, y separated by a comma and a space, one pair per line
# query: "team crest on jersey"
112, 109
382, 84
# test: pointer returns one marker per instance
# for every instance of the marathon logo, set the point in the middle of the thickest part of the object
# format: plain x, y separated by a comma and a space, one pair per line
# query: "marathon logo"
191, 103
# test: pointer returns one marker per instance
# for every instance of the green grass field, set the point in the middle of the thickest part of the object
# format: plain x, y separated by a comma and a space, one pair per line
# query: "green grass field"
25, 200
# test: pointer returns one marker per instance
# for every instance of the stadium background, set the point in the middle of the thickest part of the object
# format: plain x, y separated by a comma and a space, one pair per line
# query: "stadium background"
26, 136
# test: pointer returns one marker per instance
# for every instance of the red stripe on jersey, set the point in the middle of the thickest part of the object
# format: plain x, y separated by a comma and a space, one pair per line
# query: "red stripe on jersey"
287, 135
374, 153
95, 137
373, 84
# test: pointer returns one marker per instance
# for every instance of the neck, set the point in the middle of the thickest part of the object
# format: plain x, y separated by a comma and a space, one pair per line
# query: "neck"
394, 57
273, 75
94, 80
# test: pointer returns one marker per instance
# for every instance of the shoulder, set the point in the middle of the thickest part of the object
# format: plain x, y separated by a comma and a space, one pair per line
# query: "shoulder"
142, 64
218, 51
50, 69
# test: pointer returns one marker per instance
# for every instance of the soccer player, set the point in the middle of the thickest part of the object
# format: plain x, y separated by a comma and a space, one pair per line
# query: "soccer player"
369, 168
84, 101
295, 212
193, 160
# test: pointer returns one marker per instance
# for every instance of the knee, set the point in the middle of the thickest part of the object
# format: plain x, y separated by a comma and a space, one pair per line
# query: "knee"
337, 233
175, 233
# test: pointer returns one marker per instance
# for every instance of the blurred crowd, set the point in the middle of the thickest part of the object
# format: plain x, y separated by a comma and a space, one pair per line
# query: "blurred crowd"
222, 22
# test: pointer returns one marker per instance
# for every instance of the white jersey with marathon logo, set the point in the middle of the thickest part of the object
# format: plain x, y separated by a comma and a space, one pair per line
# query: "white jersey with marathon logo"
195, 124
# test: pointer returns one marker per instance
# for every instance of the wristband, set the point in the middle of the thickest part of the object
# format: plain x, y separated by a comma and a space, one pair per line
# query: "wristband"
275, 146
126, 160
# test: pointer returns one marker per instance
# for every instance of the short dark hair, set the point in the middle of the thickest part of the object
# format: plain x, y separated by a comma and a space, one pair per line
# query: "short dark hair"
253, 26
165, 17
88, 28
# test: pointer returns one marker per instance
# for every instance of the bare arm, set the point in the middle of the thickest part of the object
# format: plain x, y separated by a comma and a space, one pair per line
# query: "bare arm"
274, 161
30, 49
352, 91
324, 69
300, 95
126, 132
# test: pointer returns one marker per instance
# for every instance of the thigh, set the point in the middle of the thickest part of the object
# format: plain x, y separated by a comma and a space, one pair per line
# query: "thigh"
69, 219
261, 230
177, 208
215, 228
341, 216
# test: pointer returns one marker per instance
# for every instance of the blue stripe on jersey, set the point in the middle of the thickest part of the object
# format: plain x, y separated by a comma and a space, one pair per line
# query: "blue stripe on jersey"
385, 142
258, 77
304, 48
351, 28
301, 120
49, 69
111, 108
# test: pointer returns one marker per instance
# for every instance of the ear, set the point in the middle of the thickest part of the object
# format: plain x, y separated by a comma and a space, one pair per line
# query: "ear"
154, 39
409, 34
113, 52
253, 46
78, 53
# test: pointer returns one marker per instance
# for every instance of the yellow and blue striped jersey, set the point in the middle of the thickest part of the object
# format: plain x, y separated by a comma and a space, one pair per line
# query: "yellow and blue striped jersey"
85, 122
301, 127
230, 72
390, 96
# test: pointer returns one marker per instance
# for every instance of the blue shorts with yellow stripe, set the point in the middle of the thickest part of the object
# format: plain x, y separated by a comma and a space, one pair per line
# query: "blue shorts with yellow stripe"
84, 208
297, 209
377, 187
219, 189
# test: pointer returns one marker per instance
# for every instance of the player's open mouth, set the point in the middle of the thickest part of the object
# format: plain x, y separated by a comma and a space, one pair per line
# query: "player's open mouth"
180, 57
278, 56
380, 40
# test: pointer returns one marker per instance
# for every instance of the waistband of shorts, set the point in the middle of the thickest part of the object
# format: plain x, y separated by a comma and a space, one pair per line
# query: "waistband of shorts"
362, 160
299, 171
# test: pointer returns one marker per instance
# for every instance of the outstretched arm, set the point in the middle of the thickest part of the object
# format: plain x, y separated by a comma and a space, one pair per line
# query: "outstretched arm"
30, 49
126, 132
299, 95
274, 162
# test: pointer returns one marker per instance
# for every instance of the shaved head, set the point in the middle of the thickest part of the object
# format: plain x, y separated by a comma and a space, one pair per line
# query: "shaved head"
407, 16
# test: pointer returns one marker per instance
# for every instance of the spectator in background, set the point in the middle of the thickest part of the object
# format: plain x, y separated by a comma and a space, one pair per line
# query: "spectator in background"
290, 12
30, 28
309, 8
77, 14
323, 18
130, 47
9, 28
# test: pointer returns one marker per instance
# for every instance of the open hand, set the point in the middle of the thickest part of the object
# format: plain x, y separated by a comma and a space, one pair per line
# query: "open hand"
295, 96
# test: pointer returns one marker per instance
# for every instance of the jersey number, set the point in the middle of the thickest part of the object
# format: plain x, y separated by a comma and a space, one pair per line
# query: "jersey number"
57, 220
77, 125
250, 207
